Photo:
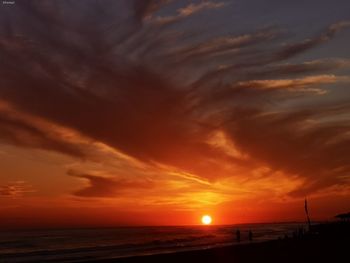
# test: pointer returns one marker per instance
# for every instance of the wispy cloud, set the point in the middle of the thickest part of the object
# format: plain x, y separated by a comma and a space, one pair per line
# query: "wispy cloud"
144, 9
305, 84
15, 189
108, 186
189, 10
193, 8
205, 110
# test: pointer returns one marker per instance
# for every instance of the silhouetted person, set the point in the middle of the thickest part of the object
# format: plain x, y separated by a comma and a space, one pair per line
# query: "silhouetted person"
250, 235
238, 235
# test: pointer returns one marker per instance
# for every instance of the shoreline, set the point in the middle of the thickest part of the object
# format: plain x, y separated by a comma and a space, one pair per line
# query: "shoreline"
323, 241
310, 250
326, 242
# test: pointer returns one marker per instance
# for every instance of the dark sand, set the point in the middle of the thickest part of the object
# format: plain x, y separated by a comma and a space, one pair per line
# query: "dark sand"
327, 243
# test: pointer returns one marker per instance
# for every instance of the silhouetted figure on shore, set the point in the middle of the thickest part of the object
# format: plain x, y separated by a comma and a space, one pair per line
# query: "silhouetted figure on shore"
250, 235
238, 235
298, 233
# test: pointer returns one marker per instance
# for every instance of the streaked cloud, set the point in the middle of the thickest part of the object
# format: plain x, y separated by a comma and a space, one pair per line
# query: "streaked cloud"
145, 8
193, 8
189, 10
15, 189
157, 107
304, 84
104, 186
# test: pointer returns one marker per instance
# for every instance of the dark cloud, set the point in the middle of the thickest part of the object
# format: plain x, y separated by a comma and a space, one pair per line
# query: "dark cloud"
221, 46
145, 8
187, 11
291, 142
102, 186
260, 58
23, 133
297, 69
159, 96
15, 189
297, 48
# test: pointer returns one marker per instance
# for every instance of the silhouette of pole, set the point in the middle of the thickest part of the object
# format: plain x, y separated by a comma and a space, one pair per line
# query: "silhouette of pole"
307, 214
238, 235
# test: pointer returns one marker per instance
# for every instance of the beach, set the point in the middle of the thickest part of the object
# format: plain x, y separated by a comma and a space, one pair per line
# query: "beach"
276, 243
272, 251
329, 245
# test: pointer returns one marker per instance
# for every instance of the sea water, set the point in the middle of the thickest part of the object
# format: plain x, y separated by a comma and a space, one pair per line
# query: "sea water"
74, 245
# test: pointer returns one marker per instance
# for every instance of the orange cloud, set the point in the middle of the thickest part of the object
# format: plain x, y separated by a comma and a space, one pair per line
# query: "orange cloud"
189, 10
184, 122
304, 84
15, 189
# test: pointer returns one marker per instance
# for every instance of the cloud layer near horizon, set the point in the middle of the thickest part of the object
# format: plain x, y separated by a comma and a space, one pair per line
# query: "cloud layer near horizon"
165, 101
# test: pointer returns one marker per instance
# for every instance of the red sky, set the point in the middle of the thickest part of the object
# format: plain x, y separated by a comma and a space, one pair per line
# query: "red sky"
157, 112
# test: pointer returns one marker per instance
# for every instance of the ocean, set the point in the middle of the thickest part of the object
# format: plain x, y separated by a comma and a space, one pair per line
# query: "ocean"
74, 245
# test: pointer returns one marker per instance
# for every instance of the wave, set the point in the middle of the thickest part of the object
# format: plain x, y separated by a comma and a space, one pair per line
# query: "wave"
70, 245
116, 250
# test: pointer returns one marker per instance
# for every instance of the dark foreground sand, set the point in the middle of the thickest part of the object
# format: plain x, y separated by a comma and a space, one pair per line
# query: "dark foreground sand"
328, 243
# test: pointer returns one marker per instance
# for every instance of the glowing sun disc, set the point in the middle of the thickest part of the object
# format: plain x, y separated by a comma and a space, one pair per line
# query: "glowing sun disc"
206, 220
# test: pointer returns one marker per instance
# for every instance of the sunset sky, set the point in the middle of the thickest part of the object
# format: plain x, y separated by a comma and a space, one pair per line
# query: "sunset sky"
155, 112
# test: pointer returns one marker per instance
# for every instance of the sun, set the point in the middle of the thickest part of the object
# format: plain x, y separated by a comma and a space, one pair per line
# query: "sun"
206, 220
